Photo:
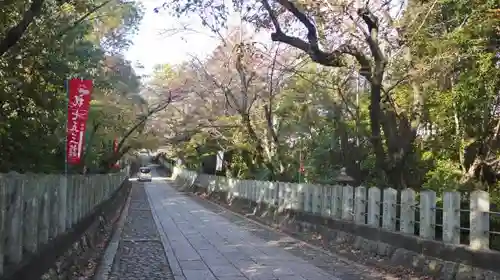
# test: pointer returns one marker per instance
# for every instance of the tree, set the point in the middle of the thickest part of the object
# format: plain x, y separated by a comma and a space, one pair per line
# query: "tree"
462, 74
77, 39
381, 48
362, 48
401, 95
230, 101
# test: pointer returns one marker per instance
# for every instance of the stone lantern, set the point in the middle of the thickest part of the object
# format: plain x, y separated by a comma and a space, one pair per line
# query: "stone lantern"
344, 179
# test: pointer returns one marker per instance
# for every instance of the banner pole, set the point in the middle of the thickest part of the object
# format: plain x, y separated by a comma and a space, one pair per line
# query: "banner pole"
66, 85
63, 186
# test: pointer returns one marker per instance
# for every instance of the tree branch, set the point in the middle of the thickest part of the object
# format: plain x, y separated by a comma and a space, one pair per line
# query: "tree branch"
115, 156
82, 18
268, 109
240, 49
15, 33
332, 59
225, 89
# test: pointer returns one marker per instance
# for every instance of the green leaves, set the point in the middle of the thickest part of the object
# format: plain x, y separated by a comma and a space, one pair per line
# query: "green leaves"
441, 83
64, 41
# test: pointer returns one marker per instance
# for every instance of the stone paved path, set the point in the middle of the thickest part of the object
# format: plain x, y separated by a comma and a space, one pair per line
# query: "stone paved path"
203, 245
140, 254
171, 236
331, 263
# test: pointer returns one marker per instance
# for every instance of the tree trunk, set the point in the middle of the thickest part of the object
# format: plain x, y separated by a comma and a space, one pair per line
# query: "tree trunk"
245, 119
15, 33
376, 139
246, 155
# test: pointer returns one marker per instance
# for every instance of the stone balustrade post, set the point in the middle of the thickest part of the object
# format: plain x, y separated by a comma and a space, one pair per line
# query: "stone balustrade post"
273, 188
300, 197
360, 205
479, 220
451, 217
317, 199
295, 203
282, 194
327, 202
408, 203
307, 198
428, 214
290, 195
389, 209
374, 207
347, 203
336, 202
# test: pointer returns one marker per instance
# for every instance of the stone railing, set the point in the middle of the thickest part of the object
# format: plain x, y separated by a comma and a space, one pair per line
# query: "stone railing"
37, 208
374, 207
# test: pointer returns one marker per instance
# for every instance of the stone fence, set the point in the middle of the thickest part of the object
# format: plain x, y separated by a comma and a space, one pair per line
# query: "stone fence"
410, 223
37, 208
369, 206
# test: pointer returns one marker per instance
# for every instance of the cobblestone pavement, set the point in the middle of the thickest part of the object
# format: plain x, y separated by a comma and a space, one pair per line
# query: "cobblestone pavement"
201, 244
140, 254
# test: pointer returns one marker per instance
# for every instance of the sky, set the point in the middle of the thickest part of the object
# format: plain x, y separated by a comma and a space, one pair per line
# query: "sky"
152, 45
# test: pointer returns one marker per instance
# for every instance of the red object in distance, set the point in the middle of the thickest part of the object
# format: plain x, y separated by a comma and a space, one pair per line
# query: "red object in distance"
115, 149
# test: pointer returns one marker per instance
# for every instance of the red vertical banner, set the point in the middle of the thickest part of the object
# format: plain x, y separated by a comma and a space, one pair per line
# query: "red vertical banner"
78, 108
115, 150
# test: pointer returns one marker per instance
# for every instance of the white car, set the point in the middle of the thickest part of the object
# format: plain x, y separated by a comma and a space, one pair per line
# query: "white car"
144, 174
